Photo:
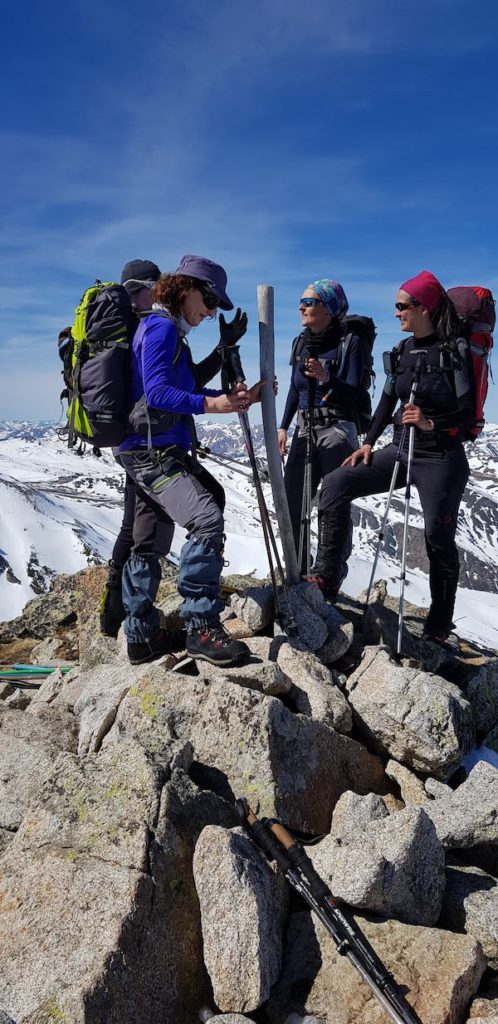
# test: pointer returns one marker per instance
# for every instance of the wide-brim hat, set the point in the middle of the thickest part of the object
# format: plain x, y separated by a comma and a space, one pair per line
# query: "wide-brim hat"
211, 273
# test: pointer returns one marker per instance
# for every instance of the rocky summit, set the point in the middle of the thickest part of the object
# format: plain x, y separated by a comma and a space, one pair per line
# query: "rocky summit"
130, 893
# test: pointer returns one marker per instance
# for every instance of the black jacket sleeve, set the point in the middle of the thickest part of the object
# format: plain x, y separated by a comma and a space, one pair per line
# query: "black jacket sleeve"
463, 404
208, 368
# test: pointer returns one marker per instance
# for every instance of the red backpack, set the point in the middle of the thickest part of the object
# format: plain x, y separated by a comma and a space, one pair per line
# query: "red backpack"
476, 309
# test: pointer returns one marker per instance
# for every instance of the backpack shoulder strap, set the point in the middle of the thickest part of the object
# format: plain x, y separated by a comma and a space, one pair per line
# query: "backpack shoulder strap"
342, 348
297, 348
368, 373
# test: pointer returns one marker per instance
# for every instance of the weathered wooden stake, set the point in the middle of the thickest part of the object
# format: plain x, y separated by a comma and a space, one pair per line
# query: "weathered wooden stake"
267, 372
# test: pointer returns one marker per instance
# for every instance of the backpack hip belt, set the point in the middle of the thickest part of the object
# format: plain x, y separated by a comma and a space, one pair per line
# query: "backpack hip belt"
319, 416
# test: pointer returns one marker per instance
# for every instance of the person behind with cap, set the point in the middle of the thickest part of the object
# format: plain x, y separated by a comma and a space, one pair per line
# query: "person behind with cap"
444, 402
319, 372
139, 278
168, 391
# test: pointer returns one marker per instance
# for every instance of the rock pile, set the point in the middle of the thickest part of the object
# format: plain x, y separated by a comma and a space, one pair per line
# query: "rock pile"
128, 891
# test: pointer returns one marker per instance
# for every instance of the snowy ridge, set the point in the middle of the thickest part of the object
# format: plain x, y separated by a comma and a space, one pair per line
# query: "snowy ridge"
60, 511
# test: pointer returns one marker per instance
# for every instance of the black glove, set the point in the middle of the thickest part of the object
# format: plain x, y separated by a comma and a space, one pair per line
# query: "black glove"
234, 330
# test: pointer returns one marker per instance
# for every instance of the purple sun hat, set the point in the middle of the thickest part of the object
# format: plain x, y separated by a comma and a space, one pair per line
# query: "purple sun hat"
332, 295
212, 273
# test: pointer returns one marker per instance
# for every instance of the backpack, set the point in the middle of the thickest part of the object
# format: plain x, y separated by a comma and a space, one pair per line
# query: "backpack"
95, 352
364, 328
476, 309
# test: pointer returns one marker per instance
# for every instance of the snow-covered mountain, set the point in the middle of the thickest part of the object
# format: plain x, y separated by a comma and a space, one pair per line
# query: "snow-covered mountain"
60, 511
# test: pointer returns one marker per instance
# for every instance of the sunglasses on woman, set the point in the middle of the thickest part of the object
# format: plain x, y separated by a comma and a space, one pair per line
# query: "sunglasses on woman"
402, 306
308, 303
209, 299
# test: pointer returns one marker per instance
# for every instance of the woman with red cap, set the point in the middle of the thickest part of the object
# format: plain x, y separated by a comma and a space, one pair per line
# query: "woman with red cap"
443, 406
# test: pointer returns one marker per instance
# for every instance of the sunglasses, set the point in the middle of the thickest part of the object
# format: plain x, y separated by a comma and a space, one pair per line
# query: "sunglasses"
143, 284
402, 306
308, 303
209, 299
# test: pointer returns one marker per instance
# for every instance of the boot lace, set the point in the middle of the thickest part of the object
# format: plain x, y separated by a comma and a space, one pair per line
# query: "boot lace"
217, 635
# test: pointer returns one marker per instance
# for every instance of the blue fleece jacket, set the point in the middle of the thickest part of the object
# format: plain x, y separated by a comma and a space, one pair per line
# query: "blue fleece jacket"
166, 387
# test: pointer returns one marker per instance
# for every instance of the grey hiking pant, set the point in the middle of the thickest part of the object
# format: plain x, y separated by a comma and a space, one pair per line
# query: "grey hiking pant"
191, 497
145, 528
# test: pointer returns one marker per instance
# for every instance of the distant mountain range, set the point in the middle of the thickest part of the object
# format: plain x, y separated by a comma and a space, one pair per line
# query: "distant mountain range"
60, 510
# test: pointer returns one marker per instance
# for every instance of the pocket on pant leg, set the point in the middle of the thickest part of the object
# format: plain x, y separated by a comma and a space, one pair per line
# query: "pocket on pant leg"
156, 478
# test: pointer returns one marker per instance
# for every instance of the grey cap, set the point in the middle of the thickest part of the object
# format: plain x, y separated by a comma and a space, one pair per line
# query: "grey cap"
212, 273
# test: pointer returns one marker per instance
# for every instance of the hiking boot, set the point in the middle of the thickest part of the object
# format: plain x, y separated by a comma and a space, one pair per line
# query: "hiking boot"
214, 644
330, 593
112, 612
448, 641
163, 642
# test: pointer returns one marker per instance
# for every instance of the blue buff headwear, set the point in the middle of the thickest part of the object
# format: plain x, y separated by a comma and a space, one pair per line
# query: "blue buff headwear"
332, 295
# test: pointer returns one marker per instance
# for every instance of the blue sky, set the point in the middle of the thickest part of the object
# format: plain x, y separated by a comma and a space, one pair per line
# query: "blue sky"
356, 139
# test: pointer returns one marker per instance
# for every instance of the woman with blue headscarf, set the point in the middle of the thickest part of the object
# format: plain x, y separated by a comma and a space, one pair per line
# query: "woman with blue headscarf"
325, 379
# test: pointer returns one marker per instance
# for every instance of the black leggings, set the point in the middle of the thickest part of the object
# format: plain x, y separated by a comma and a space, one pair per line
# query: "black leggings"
440, 478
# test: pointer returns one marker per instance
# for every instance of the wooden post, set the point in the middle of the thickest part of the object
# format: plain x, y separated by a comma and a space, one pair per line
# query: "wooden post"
267, 372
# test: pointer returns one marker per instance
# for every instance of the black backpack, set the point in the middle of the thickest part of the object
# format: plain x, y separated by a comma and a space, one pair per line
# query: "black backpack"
95, 352
364, 328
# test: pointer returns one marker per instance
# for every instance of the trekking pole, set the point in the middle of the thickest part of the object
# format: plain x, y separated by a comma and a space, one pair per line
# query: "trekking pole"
402, 577
279, 845
232, 373
381, 534
408, 489
305, 529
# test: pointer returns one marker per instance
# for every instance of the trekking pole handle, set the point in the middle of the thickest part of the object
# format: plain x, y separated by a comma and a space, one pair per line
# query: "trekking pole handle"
283, 836
262, 836
277, 842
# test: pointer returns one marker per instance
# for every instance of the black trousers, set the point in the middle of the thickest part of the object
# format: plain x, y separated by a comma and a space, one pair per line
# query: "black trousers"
144, 528
440, 478
331, 445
